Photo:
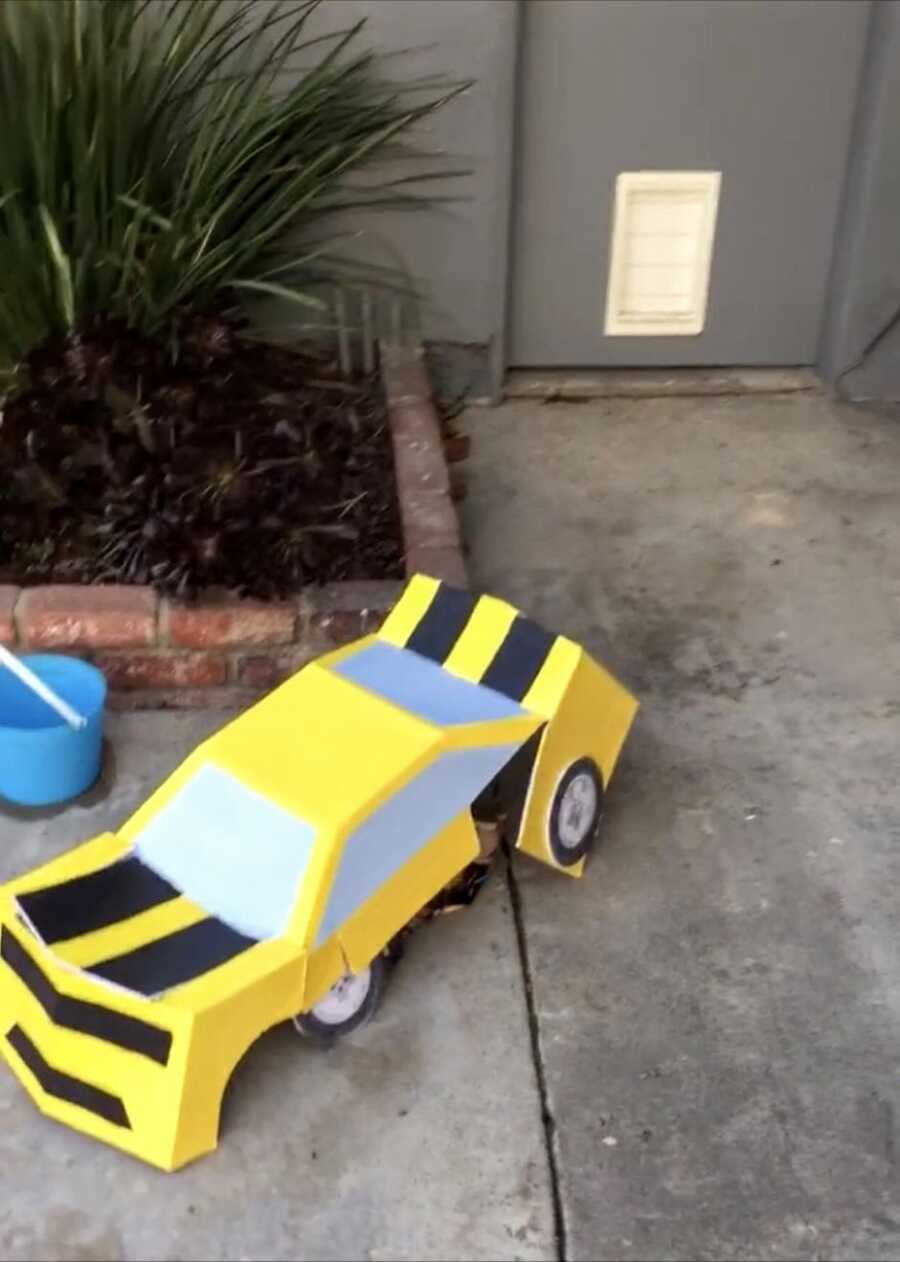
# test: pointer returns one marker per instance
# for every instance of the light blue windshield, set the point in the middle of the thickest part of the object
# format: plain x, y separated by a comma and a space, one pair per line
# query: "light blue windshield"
228, 848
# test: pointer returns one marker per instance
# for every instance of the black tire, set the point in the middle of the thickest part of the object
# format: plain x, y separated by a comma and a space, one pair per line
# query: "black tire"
571, 838
327, 1031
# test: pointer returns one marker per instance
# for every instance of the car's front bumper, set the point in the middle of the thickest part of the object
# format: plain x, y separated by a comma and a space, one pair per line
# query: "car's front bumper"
99, 1060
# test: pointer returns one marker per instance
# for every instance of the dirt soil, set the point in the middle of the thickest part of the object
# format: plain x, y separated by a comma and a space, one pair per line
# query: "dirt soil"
238, 465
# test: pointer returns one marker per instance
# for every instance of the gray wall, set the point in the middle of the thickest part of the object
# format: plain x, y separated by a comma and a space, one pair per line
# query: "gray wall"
762, 90
456, 251
865, 282
459, 253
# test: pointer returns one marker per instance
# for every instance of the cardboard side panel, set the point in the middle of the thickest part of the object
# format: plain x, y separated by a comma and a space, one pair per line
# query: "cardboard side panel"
223, 1034
592, 721
327, 859
382, 852
394, 904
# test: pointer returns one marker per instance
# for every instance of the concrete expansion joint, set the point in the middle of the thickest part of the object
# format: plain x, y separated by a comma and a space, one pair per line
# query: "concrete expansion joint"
548, 1121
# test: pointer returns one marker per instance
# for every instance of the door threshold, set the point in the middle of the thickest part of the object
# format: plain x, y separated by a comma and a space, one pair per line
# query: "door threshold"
652, 383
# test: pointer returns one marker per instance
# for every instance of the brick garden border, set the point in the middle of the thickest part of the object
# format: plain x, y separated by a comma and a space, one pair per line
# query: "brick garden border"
224, 652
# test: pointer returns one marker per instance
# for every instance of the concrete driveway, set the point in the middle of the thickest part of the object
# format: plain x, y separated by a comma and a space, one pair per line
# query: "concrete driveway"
718, 1002
692, 1053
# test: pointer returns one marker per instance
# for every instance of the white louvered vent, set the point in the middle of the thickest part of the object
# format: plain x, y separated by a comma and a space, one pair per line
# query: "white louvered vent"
664, 223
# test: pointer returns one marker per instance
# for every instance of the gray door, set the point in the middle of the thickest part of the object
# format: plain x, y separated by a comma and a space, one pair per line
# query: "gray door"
761, 90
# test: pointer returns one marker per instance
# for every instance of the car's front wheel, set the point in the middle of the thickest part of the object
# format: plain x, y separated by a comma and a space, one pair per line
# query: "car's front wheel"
576, 812
349, 1004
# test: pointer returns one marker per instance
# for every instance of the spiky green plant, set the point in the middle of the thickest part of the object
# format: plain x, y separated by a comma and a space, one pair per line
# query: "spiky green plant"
155, 155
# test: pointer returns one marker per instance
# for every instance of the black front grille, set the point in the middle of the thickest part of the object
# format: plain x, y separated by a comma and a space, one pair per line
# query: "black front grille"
76, 1014
63, 1086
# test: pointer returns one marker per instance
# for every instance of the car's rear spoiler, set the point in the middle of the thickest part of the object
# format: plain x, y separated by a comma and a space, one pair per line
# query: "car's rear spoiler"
484, 640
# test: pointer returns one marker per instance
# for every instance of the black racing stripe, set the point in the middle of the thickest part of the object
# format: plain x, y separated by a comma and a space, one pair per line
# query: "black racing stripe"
91, 902
442, 623
518, 660
177, 958
63, 1086
130, 1033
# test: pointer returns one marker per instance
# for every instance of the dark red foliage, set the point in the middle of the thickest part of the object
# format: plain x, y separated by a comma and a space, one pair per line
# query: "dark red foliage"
214, 462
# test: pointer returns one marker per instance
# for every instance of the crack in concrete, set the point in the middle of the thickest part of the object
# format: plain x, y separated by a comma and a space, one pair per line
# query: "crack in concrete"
547, 1119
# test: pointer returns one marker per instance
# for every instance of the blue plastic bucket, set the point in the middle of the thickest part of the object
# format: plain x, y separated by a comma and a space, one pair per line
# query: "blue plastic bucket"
42, 759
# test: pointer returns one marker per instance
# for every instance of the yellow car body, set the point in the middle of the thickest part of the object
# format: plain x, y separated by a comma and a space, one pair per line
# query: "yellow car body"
286, 852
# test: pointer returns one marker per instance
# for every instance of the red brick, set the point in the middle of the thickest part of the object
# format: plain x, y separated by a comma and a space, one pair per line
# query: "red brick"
8, 598
163, 670
457, 448
185, 699
443, 563
340, 612
230, 624
429, 521
419, 463
459, 487
404, 374
416, 421
271, 669
340, 628
369, 594
87, 617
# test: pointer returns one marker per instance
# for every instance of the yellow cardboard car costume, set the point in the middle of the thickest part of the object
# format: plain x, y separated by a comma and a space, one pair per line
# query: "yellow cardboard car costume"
268, 875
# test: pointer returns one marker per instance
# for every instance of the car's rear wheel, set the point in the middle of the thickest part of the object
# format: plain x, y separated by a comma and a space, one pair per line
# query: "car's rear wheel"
349, 1004
576, 812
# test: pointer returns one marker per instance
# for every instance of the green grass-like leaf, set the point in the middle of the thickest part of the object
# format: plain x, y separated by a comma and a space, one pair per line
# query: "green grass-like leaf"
156, 155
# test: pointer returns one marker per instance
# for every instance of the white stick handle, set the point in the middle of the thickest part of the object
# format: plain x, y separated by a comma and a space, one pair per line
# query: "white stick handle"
30, 679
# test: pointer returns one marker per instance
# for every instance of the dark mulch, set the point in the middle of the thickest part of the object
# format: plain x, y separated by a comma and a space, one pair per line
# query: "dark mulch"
215, 462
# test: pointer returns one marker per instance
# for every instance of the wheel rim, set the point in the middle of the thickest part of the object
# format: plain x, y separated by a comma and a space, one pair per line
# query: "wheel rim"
345, 998
577, 810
